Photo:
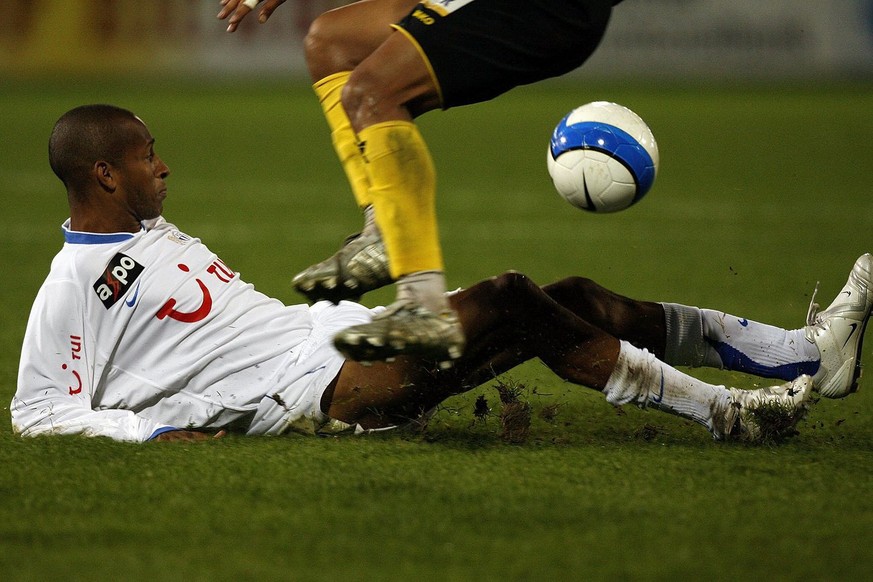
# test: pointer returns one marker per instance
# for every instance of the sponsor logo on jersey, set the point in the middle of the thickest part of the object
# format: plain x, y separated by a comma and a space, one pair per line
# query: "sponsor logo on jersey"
119, 275
179, 237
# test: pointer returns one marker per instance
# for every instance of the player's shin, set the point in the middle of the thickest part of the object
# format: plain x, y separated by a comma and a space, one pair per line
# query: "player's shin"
403, 190
641, 379
345, 141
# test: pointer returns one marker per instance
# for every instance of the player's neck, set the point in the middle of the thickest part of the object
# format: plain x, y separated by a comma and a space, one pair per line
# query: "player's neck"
100, 213
102, 222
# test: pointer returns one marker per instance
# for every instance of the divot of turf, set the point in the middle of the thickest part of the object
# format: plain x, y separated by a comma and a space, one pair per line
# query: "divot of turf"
516, 413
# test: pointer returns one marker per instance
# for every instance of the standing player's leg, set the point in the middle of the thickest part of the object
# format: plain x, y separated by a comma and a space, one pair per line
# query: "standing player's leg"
416, 70
381, 97
508, 320
336, 43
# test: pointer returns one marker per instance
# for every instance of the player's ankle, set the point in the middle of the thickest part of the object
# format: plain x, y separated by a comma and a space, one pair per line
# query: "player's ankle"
425, 288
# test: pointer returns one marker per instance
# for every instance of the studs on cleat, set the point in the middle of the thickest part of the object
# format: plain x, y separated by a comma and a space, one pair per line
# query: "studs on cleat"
361, 265
766, 414
404, 328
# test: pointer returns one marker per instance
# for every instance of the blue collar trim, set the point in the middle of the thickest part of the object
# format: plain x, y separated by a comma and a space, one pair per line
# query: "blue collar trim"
95, 238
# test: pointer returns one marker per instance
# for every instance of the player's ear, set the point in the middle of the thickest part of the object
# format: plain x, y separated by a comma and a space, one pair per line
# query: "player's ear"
105, 175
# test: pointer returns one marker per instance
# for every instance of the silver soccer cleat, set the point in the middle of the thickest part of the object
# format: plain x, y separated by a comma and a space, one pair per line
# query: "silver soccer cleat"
361, 265
404, 328
765, 414
838, 332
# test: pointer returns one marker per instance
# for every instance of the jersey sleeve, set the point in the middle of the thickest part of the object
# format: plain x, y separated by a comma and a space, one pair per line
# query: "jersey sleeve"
57, 375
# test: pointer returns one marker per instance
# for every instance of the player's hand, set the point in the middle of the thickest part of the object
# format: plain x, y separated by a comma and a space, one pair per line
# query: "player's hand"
236, 10
188, 435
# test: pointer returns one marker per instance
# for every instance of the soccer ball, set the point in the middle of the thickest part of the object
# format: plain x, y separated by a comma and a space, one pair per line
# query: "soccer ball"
602, 157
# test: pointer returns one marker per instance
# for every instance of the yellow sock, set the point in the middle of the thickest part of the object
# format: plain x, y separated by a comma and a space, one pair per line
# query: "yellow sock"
403, 192
345, 142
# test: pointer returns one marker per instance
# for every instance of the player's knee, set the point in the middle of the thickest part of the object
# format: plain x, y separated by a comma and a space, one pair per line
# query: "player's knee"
513, 283
326, 49
365, 100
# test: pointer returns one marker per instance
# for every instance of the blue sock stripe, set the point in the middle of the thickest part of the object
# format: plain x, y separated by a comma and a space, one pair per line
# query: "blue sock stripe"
735, 360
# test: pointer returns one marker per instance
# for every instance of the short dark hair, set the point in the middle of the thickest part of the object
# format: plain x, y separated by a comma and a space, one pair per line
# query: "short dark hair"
84, 135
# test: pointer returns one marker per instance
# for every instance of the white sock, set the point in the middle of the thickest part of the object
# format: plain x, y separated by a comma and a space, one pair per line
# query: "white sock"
427, 288
370, 221
703, 337
640, 378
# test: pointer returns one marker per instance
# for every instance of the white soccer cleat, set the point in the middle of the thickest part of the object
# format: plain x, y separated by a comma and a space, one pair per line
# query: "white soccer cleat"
404, 328
361, 265
766, 414
838, 332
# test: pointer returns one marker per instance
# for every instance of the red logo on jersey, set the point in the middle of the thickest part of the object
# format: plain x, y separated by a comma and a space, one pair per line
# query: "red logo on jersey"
187, 316
75, 349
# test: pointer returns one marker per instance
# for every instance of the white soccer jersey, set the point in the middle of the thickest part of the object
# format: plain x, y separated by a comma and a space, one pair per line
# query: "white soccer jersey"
134, 334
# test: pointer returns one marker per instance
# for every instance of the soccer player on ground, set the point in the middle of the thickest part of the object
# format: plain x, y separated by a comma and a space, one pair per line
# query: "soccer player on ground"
379, 64
140, 332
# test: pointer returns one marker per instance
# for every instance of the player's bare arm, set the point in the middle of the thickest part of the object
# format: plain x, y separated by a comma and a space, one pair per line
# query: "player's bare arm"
234, 11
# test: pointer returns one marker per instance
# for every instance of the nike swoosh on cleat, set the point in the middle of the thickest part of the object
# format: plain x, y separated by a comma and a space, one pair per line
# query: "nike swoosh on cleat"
847, 292
744, 322
854, 327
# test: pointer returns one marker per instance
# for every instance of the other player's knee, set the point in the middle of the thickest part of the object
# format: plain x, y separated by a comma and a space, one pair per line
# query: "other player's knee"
513, 284
574, 287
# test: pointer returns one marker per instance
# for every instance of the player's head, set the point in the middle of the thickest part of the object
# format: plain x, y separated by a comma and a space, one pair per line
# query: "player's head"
110, 149
85, 135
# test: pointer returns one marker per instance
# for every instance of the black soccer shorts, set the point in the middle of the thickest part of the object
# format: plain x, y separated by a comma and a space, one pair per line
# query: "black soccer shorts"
479, 49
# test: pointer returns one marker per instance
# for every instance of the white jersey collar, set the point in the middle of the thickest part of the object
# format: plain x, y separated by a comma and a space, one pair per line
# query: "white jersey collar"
93, 238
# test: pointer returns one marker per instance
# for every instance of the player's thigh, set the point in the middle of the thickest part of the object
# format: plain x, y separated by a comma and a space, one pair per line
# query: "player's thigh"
478, 49
392, 83
384, 394
339, 39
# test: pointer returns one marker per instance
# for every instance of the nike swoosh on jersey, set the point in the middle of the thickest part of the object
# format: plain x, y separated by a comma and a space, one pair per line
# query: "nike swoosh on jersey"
130, 302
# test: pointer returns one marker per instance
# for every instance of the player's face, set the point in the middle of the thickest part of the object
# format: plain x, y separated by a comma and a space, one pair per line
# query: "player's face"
144, 175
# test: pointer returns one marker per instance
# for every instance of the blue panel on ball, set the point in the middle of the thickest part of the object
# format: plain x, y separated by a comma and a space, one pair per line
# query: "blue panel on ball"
610, 140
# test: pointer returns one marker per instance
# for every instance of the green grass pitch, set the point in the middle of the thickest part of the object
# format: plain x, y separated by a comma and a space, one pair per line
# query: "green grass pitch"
762, 191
